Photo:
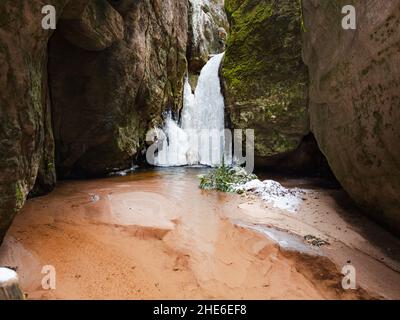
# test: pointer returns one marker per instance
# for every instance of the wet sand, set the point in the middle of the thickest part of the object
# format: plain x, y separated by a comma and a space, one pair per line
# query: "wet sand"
156, 235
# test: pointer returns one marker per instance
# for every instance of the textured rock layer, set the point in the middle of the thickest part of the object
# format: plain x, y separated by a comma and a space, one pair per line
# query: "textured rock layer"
355, 99
265, 78
91, 25
114, 67
105, 101
26, 143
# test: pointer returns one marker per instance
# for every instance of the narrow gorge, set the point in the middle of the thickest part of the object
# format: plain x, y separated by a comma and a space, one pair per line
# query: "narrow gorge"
200, 149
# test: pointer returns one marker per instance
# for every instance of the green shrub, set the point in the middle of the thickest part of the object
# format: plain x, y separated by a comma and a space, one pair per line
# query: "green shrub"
225, 179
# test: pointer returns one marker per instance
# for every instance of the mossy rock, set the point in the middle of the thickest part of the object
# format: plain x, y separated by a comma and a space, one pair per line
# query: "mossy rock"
265, 80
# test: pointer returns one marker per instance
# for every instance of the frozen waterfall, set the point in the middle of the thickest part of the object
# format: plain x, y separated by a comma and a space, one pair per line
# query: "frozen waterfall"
200, 137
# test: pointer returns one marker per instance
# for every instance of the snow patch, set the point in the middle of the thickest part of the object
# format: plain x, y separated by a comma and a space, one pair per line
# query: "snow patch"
274, 193
8, 276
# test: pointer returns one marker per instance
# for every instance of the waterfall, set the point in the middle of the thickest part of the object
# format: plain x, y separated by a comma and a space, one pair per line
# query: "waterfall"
175, 145
203, 115
200, 137
199, 19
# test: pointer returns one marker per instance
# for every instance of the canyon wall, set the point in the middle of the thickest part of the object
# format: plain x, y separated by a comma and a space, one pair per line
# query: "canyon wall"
113, 67
353, 103
26, 141
265, 79
104, 100
80, 100
355, 99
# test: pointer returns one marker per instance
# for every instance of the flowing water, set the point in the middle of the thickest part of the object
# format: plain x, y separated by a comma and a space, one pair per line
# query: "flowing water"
199, 139
199, 19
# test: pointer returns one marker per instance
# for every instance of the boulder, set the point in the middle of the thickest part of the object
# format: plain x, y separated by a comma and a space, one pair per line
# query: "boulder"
265, 79
355, 99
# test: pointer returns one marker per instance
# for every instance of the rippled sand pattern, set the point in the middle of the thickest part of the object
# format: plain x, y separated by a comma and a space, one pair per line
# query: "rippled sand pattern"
154, 235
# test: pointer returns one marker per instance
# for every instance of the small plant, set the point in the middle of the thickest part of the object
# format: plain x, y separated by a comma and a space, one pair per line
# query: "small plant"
225, 178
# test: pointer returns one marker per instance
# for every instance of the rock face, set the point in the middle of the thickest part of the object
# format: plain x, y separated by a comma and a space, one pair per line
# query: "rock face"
91, 24
105, 101
114, 67
264, 77
26, 142
208, 26
355, 99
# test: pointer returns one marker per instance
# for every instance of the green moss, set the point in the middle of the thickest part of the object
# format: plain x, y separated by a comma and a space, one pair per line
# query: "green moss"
264, 43
50, 166
303, 26
266, 81
19, 196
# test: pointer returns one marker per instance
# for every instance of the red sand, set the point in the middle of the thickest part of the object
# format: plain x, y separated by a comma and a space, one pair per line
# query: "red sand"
155, 235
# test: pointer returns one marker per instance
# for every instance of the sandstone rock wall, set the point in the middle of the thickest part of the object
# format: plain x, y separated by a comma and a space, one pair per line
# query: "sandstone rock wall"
104, 101
265, 79
26, 141
114, 67
355, 99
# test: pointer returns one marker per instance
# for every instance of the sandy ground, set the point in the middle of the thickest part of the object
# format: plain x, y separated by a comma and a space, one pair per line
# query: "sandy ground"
156, 235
